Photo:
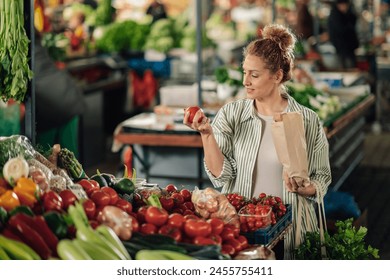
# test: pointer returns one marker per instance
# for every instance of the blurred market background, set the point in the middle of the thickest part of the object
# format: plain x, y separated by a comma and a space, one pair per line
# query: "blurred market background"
137, 74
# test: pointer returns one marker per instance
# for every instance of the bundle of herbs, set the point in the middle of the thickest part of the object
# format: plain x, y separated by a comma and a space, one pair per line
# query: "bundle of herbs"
14, 69
347, 243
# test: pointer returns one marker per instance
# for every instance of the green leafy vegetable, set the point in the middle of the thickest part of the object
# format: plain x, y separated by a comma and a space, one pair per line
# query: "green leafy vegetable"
347, 243
14, 69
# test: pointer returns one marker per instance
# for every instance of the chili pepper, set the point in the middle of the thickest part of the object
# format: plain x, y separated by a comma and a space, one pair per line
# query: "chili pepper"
56, 223
49, 236
124, 186
26, 190
30, 236
9, 200
10, 233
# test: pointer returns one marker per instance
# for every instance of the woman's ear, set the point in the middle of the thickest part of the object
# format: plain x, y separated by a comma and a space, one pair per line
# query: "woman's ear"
278, 76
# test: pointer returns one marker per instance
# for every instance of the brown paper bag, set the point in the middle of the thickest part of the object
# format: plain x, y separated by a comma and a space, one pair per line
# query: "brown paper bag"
290, 143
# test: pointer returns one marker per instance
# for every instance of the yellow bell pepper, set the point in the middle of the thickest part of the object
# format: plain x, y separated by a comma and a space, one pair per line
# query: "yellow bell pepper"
26, 190
9, 200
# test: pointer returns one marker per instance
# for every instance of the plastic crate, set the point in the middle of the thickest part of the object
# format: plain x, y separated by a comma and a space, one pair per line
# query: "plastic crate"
267, 235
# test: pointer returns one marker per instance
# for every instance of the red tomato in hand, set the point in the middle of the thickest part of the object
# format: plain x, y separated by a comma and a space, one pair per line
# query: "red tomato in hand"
156, 216
197, 227
89, 208
192, 110
68, 198
170, 231
112, 193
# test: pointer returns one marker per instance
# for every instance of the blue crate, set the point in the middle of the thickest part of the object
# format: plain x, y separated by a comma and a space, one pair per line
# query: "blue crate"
267, 235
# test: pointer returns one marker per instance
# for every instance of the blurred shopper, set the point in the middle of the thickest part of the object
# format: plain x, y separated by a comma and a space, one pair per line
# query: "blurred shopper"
305, 21
342, 32
156, 10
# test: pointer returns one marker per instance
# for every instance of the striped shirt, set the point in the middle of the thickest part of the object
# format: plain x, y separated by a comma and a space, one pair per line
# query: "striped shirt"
237, 132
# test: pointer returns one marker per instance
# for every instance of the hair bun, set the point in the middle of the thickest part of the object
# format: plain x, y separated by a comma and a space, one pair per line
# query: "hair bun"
280, 35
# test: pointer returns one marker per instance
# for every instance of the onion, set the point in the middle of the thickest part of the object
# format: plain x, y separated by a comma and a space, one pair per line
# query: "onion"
14, 169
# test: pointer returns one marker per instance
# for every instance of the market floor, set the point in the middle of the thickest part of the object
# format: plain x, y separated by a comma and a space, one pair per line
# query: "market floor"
370, 186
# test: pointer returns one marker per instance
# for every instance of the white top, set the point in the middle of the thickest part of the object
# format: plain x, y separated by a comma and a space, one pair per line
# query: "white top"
267, 175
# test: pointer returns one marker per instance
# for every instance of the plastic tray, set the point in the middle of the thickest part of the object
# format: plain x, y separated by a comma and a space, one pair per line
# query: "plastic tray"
267, 235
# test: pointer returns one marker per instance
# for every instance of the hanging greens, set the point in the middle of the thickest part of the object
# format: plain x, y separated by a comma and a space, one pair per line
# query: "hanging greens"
14, 69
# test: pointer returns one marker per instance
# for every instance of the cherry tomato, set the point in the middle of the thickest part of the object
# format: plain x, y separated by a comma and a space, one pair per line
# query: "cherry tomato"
170, 231
216, 225
176, 220
236, 230
124, 205
147, 228
112, 193
156, 216
166, 202
200, 240
93, 223
134, 224
186, 194
235, 243
68, 198
243, 240
171, 188
178, 199
89, 208
100, 198
189, 205
193, 110
227, 234
197, 227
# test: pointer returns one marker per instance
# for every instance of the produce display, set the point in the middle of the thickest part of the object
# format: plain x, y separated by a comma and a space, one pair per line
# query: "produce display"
51, 209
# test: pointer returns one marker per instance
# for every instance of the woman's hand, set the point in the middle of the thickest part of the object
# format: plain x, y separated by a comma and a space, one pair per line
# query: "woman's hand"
299, 186
203, 127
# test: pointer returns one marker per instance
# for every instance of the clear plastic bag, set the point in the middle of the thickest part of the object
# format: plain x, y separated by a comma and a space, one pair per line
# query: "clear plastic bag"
210, 203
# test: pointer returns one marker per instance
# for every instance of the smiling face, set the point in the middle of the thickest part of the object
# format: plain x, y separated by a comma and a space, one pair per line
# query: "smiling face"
259, 82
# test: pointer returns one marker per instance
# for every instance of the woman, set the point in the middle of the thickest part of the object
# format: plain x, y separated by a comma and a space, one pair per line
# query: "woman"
239, 152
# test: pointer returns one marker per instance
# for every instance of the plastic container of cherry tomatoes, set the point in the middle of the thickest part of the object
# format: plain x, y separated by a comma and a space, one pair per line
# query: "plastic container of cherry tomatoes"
254, 217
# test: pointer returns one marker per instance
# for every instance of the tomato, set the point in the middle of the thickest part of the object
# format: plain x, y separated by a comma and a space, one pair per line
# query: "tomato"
89, 208
68, 198
188, 212
216, 225
156, 216
227, 234
112, 193
228, 249
124, 205
134, 224
88, 186
52, 201
186, 194
244, 242
197, 227
235, 243
100, 198
170, 231
171, 188
176, 220
189, 205
217, 238
141, 214
236, 230
193, 110
191, 217
166, 202
200, 240
178, 199
147, 228
93, 223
